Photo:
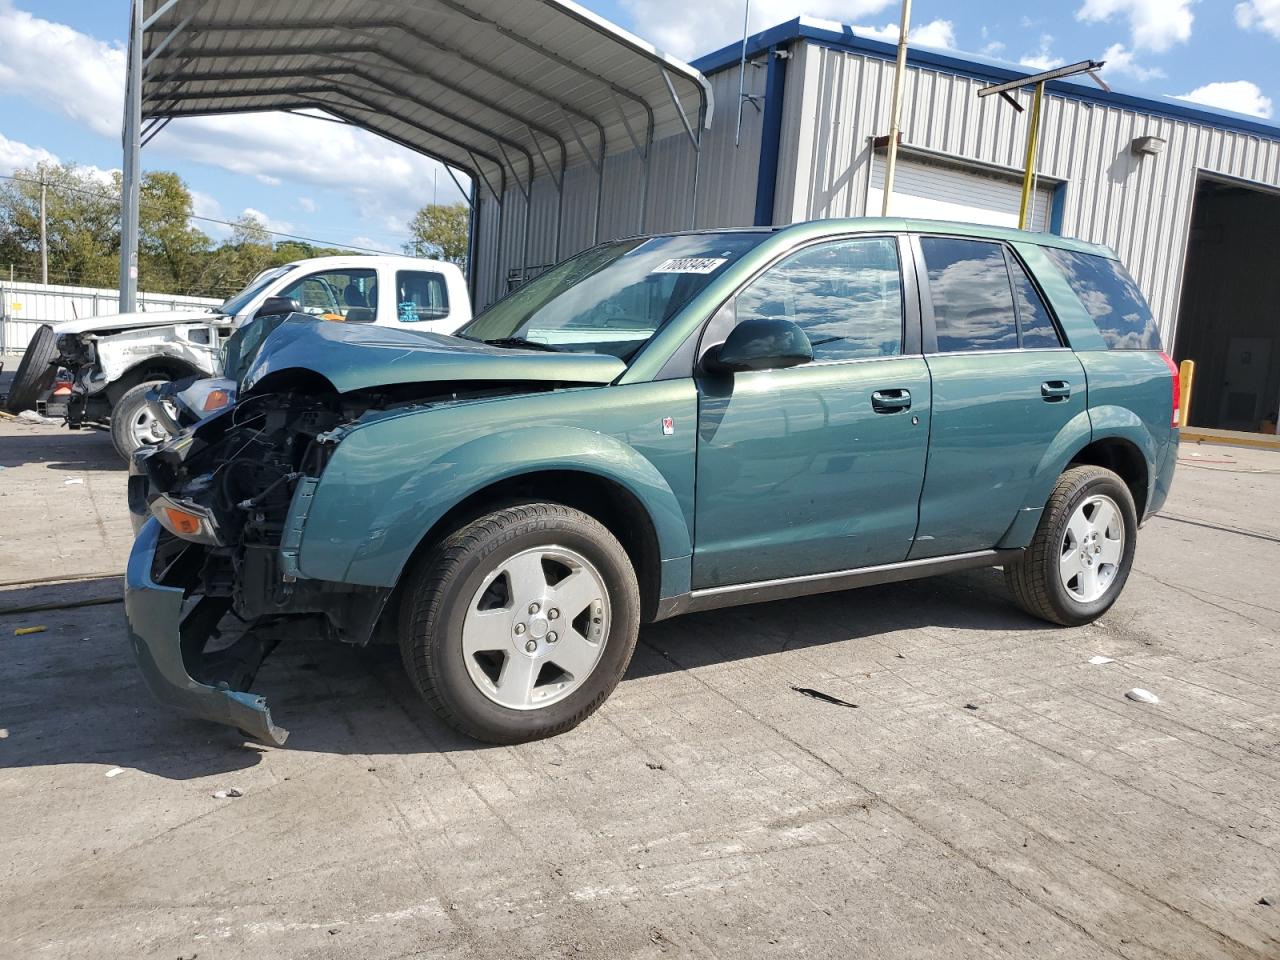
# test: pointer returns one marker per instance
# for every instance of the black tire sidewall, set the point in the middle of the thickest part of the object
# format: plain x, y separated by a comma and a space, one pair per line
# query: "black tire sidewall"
453, 683
35, 371
1071, 610
129, 403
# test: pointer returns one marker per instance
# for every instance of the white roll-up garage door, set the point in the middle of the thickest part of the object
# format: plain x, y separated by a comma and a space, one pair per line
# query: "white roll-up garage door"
937, 191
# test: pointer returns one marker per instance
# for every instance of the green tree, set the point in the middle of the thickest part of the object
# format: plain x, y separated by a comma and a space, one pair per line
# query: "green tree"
440, 230
82, 215
171, 253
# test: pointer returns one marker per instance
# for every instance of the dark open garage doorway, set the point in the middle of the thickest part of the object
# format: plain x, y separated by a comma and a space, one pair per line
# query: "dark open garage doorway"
1229, 321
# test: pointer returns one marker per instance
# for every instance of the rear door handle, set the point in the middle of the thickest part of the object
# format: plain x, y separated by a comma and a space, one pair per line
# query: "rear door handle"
891, 401
1053, 391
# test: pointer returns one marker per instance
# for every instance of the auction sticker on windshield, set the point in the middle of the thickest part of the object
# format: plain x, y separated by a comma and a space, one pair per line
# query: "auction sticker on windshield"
689, 265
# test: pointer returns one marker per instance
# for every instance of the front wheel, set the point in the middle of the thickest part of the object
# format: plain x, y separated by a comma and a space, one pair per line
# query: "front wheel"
519, 625
133, 425
1082, 551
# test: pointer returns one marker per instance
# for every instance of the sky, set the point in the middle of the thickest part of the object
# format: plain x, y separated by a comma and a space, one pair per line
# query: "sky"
62, 81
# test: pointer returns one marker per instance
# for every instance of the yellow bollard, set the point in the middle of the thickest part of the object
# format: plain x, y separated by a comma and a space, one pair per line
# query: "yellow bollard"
1186, 377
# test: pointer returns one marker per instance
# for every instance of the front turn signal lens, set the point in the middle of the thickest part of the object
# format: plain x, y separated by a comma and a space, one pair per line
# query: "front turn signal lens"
216, 400
181, 522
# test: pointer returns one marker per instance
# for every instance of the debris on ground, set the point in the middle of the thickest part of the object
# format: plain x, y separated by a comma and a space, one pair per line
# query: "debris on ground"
24, 631
654, 766
824, 697
1142, 696
67, 483
1265, 902
4, 733
114, 772
971, 706
32, 417
1099, 660
228, 793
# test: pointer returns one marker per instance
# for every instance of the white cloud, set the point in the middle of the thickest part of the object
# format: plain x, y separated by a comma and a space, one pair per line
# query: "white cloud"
204, 205
20, 156
1154, 24
935, 33
1043, 58
1259, 15
687, 29
993, 48
1120, 62
270, 223
65, 70
307, 204
1241, 96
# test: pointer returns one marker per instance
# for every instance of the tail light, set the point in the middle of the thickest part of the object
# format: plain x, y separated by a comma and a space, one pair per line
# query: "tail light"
1176, 420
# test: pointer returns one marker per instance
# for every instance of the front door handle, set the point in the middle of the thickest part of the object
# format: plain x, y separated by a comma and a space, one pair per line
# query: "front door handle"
891, 401
1055, 391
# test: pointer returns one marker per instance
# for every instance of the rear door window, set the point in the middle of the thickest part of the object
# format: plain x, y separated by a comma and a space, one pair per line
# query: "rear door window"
972, 299
421, 295
1117, 306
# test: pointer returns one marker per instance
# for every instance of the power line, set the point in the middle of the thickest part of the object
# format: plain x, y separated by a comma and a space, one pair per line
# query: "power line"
225, 223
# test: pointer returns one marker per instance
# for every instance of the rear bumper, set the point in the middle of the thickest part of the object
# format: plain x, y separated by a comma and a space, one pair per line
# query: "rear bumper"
155, 619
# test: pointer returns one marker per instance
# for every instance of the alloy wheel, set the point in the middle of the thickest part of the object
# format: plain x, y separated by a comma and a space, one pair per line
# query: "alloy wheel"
536, 628
1092, 548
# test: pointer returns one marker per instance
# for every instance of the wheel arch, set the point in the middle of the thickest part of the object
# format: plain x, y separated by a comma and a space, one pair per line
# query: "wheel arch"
600, 497
1122, 457
152, 368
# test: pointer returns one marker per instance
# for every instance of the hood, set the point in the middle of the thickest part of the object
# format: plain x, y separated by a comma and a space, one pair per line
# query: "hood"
360, 356
132, 321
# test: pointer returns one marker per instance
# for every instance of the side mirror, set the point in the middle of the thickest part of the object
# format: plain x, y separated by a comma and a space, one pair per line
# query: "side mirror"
763, 343
275, 306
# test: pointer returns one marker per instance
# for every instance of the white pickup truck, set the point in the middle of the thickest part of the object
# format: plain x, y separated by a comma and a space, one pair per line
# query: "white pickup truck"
114, 361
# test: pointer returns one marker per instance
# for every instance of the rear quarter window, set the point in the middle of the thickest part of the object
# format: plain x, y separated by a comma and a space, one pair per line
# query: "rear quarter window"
1113, 300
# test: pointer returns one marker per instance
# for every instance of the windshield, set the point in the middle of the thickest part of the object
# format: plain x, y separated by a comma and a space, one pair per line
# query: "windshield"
242, 346
242, 299
612, 298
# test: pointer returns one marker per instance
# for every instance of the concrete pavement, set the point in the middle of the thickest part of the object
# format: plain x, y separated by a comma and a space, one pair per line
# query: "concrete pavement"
992, 793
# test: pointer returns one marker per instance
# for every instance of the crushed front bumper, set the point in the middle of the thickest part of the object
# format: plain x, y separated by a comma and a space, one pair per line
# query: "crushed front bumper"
155, 618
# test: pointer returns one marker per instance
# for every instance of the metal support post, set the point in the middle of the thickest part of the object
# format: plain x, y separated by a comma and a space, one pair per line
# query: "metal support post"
1029, 173
129, 186
895, 110
44, 234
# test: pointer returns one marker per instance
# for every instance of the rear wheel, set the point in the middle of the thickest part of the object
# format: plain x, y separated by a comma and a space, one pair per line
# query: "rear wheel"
133, 425
35, 373
521, 623
1082, 551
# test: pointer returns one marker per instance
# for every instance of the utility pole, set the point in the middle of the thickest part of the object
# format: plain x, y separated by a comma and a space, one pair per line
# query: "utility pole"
44, 235
131, 173
895, 118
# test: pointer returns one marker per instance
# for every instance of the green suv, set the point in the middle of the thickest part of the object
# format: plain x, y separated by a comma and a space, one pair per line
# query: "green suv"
656, 426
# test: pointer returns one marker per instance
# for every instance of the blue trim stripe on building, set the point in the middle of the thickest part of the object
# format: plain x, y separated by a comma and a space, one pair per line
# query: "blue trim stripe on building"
770, 136
979, 68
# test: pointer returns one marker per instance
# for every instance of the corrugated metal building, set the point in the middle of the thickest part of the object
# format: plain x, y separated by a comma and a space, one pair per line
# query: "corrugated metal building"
1188, 196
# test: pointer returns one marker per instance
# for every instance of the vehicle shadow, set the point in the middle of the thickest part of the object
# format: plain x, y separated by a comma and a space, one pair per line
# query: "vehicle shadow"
72, 694
58, 448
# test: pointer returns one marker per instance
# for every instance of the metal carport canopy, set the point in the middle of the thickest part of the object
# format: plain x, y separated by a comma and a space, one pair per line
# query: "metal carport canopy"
504, 90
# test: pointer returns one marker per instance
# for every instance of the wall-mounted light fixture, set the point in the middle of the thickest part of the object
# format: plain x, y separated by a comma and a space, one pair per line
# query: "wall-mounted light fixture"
1148, 146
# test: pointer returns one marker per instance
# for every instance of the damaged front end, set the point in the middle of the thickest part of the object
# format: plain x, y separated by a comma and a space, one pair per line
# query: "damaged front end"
211, 587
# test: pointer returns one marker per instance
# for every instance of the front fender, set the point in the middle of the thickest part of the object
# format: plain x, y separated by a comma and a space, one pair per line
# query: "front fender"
390, 481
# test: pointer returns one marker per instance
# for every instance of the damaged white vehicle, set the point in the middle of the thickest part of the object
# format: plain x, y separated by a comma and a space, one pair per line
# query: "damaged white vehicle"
115, 361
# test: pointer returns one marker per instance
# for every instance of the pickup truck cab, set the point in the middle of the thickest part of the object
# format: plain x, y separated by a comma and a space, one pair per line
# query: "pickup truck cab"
114, 361
658, 425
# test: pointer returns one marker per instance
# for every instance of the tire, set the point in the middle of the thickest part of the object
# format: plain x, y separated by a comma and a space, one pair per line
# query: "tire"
35, 373
126, 427
1041, 579
475, 573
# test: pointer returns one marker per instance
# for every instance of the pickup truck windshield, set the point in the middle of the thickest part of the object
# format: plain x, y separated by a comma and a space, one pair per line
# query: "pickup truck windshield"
612, 298
235, 304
